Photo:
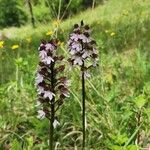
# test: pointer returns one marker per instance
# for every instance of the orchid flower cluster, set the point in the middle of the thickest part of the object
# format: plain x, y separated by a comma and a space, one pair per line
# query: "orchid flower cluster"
82, 47
84, 54
51, 85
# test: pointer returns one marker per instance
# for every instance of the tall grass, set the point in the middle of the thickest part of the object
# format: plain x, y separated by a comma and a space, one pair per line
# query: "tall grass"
116, 94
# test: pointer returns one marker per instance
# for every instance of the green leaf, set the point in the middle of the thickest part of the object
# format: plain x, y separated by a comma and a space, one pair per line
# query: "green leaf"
132, 147
140, 101
147, 88
121, 139
147, 112
132, 136
19, 61
30, 142
16, 145
116, 147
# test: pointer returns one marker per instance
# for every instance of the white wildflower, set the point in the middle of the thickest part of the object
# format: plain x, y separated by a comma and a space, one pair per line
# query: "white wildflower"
78, 60
49, 94
86, 54
48, 60
87, 74
41, 114
55, 123
40, 90
49, 47
38, 79
42, 54
74, 36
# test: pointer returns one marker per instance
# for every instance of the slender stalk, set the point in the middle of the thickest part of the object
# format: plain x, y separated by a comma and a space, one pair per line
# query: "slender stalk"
138, 124
93, 4
31, 13
83, 106
59, 9
51, 130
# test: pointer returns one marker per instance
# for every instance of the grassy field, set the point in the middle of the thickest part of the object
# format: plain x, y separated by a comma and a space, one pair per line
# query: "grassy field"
118, 92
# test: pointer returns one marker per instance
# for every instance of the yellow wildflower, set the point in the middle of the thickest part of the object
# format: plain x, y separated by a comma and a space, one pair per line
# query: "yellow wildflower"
1, 44
56, 22
106, 31
62, 43
109, 78
59, 43
15, 46
49, 33
29, 39
112, 34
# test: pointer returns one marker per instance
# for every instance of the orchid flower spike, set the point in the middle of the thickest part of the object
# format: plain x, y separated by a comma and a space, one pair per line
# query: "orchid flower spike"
51, 84
82, 47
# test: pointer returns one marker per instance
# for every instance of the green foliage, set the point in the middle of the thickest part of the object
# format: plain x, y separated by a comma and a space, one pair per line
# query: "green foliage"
118, 93
16, 144
41, 12
11, 13
67, 8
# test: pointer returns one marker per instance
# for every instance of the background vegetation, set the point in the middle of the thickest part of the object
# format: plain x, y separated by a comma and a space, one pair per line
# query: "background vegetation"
118, 93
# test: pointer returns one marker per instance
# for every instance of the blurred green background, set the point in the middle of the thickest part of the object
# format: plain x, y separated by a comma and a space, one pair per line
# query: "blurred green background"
118, 93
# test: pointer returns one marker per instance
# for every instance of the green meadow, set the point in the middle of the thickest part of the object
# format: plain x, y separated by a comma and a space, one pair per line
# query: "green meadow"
117, 93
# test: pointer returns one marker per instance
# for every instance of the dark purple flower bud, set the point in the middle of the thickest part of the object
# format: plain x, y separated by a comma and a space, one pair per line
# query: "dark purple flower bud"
76, 26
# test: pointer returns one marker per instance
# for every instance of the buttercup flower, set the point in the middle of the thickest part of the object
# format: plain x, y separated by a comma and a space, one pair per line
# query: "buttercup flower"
49, 33
15, 46
112, 34
56, 22
1, 44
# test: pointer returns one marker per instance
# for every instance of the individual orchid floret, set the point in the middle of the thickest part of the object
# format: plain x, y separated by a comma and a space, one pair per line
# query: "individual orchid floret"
41, 114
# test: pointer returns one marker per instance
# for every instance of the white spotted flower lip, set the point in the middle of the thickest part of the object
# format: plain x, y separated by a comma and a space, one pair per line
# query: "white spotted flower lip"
55, 123
41, 114
49, 47
77, 60
87, 74
82, 47
38, 79
40, 90
42, 54
49, 94
47, 60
